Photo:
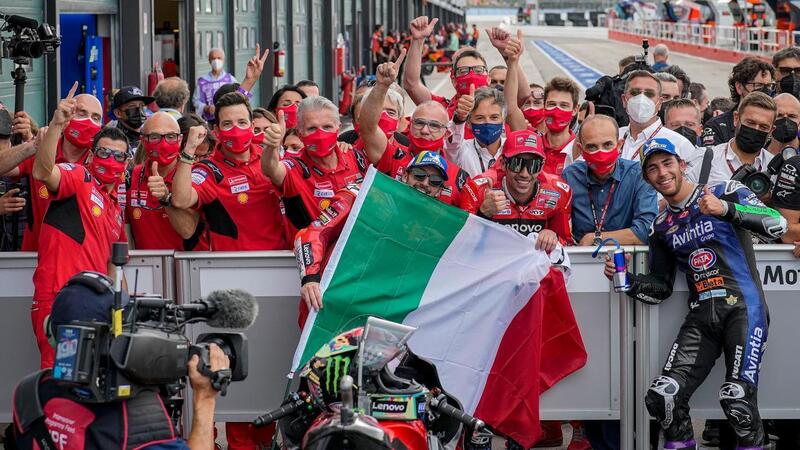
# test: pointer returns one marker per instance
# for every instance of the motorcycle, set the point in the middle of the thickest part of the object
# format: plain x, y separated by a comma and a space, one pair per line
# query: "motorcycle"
365, 405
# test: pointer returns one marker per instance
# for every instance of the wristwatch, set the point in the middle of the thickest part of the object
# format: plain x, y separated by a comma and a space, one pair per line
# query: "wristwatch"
166, 200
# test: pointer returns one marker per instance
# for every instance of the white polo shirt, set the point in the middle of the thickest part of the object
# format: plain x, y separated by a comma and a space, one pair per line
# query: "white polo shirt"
631, 147
725, 162
469, 154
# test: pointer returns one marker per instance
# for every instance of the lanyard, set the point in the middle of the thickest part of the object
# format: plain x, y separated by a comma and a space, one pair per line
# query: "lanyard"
598, 226
636, 155
480, 158
730, 166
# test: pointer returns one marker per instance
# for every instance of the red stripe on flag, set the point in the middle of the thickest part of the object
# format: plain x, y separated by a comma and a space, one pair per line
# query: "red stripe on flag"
523, 367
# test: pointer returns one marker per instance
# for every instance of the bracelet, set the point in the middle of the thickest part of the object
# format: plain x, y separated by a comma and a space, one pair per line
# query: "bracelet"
244, 92
167, 200
185, 156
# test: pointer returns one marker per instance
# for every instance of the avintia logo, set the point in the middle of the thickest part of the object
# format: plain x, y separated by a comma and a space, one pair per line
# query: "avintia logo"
702, 259
698, 231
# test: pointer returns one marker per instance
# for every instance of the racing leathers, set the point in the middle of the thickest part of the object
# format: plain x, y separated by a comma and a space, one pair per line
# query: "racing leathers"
549, 209
728, 312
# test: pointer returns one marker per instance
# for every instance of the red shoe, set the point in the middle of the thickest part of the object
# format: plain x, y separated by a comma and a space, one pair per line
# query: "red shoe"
551, 435
578, 441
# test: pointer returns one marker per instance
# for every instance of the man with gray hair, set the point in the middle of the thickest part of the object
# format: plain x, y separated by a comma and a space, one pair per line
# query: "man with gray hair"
669, 86
660, 56
171, 95
208, 84
486, 119
307, 181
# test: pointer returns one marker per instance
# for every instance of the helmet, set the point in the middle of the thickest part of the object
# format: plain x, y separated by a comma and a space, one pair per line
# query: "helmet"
330, 364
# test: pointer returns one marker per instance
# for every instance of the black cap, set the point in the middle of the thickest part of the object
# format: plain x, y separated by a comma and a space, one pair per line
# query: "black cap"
129, 94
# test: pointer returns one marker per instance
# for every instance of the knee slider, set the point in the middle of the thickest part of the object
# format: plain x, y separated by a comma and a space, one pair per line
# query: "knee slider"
736, 401
660, 399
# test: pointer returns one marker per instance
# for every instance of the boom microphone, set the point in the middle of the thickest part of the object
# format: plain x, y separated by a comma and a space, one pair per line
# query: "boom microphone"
227, 308
19, 21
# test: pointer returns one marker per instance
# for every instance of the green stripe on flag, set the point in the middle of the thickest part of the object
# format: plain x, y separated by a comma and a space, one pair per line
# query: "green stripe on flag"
393, 247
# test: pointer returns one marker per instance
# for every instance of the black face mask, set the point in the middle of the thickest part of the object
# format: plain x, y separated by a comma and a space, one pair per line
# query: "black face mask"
707, 115
750, 140
790, 85
765, 90
135, 117
785, 130
688, 133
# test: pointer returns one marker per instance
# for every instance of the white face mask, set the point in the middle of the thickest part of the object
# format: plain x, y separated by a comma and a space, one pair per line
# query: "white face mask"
216, 64
640, 109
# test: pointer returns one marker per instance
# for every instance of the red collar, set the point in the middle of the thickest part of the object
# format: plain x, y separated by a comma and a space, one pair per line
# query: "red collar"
340, 166
255, 155
550, 149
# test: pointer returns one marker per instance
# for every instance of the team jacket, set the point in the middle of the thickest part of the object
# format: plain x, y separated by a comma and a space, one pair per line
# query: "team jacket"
550, 208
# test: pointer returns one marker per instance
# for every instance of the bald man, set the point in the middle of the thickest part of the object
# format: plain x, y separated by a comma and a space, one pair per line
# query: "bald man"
208, 84
154, 223
785, 132
72, 147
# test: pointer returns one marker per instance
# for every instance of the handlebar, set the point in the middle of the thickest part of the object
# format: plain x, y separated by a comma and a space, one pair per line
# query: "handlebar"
297, 402
439, 404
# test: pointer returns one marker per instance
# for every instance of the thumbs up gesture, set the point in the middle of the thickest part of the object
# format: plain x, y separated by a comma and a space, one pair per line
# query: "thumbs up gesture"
273, 135
156, 184
711, 205
465, 104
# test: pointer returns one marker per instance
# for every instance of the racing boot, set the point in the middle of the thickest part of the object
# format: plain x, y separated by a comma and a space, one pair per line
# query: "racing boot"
551, 435
711, 433
770, 446
578, 441
680, 445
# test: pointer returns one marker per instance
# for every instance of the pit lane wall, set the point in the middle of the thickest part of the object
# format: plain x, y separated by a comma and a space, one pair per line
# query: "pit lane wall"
627, 342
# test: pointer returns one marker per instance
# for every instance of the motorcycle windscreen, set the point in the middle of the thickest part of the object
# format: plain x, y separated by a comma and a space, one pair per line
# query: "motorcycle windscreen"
336, 439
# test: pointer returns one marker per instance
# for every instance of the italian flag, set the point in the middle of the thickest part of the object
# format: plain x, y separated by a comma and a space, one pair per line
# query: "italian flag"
491, 311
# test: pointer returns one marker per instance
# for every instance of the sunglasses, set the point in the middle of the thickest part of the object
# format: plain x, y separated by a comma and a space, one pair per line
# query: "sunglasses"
105, 153
517, 163
785, 71
420, 174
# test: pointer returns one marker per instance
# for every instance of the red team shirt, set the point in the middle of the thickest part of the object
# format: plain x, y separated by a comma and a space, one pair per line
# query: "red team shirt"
240, 205
308, 188
148, 219
554, 162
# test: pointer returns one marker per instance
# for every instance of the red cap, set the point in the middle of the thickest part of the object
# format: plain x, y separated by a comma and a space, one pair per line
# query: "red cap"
523, 141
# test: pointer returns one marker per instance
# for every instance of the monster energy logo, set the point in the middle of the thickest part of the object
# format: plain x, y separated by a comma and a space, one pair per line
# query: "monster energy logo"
337, 367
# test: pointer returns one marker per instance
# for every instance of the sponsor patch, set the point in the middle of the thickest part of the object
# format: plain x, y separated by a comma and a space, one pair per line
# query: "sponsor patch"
240, 188
323, 193
563, 186
67, 166
536, 212
710, 283
199, 176
242, 198
702, 259
715, 293
239, 179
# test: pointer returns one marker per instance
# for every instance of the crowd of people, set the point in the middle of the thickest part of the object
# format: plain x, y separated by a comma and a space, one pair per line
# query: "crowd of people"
210, 172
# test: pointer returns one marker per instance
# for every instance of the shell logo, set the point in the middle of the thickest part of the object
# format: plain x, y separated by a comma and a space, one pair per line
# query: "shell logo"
137, 213
242, 198
324, 204
43, 192
96, 211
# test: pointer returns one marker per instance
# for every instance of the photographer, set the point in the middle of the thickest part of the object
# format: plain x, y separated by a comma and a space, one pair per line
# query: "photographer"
48, 412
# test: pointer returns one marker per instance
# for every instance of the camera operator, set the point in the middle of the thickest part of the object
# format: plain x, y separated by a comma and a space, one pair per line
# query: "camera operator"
45, 409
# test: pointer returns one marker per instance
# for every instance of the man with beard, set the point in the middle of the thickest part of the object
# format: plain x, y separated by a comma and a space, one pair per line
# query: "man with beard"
83, 218
427, 173
753, 122
704, 232
129, 106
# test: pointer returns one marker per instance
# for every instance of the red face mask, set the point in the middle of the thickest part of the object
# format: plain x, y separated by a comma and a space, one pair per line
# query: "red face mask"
320, 143
557, 119
602, 162
107, 170
535, 116
464, 82
80, 132
163, 153
289, 115
421, 144
235, 140
388, 124
258, 138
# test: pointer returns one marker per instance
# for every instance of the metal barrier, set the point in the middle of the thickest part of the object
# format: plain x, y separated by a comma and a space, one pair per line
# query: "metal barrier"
20, 354
657, 327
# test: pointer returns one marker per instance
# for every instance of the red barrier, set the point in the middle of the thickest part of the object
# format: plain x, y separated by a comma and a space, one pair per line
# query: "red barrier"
701, 51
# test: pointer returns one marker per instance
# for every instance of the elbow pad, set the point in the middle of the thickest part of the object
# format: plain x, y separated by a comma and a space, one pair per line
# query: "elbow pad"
758, 219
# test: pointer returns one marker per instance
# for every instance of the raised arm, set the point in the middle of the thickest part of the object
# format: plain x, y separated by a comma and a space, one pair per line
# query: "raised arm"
183, 193
420, 29
512, 51
372, 107
271, 159
44, 166
742, 208
254, 68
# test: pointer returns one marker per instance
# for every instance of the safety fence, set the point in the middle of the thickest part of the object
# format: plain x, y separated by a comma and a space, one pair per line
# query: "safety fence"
723, 43
626, 341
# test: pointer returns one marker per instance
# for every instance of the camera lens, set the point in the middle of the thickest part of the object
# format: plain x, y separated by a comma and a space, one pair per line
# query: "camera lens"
758, 183
28, 49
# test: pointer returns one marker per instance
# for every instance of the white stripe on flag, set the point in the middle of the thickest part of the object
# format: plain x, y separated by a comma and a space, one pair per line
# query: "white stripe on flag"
481, 282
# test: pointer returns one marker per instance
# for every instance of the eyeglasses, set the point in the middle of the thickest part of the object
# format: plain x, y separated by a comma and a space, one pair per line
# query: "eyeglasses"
432, 125
517, 163
478, 70
104, 153
647, 93
420, 174
155, 138
786, 71
753, 86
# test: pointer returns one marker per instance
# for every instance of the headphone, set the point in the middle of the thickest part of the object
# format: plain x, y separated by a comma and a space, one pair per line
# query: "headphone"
100, 284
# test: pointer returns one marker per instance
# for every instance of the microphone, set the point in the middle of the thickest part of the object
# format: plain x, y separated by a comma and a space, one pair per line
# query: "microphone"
20, 21
227, 308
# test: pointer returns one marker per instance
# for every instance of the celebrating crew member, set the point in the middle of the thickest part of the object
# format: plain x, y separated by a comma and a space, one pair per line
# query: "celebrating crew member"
702, 232
486, 120
83, 218
519, 195
240, 206
427, 173
150, 212
428, 133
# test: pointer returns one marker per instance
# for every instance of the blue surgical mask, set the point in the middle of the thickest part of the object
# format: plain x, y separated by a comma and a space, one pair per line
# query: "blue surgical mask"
487, 133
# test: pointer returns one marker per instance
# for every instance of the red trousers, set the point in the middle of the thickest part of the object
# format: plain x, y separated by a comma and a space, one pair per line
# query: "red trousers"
40, 309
